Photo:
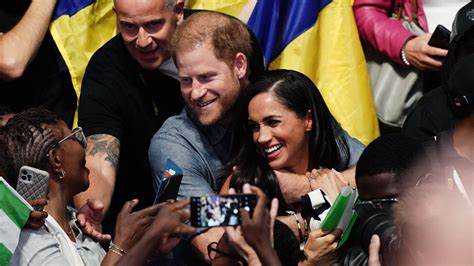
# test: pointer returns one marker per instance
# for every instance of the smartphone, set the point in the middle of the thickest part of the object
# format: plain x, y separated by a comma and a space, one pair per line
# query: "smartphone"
440, 37
32, 184
169, 186
220, 210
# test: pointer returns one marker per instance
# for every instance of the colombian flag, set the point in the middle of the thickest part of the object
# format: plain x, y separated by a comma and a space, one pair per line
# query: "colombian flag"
79, 28
318, 38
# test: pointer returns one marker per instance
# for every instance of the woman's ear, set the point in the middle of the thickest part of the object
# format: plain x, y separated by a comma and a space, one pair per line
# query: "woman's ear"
55, 161
308, 121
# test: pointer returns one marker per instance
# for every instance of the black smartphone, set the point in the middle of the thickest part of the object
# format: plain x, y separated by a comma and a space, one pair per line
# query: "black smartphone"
169, 186
170, 191
220, 210
440, 37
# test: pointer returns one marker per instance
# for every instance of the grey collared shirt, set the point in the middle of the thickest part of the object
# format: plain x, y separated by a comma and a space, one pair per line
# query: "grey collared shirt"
198, 150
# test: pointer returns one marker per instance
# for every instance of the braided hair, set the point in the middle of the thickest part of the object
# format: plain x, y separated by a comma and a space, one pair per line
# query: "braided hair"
25, 140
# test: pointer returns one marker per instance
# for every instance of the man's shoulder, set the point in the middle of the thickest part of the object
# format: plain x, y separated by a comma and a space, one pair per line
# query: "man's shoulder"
181, 125
112, 54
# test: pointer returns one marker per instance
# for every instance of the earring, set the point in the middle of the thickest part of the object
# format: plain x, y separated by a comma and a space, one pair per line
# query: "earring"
61, 173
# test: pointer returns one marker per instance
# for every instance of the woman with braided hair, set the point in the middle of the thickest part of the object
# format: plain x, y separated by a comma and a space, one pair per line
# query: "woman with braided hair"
39, 139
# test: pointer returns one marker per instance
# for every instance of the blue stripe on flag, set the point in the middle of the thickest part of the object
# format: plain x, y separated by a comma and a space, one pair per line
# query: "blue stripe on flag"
278, 22
70, 7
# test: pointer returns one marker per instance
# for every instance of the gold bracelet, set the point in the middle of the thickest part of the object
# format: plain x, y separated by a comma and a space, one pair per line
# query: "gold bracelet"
116, 252
116, 248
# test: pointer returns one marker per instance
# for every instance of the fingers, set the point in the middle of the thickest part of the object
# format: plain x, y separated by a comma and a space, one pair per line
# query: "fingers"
36, 219
128, 206
184, 230
95, 204
38, 202
151, 210
38, 215
230, 231
181, 204
246, 188
341, 178
374, 249
100, 237
274, 209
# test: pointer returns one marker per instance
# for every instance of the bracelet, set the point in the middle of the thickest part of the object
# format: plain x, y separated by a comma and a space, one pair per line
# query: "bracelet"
300, 232
403, 56
116, 252
116, 249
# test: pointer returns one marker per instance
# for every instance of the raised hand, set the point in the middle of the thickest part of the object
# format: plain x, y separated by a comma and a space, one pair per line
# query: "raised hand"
421, 55
131, 226
320, 248
328, 180
90, 217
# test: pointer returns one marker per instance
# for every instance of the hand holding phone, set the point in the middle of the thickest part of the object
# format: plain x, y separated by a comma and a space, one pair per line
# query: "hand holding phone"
440, 37
32, 184
220, 210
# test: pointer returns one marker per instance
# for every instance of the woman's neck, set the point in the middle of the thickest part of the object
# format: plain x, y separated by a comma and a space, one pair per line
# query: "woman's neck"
57, 208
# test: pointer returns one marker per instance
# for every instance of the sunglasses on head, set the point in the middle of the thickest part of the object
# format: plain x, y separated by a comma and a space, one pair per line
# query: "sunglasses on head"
77, 134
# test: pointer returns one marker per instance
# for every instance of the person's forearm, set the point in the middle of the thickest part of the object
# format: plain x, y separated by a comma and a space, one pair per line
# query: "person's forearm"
140, 252
111, 259
268, 255
100, 188
19, 45
293, 186
349, 175
102, 159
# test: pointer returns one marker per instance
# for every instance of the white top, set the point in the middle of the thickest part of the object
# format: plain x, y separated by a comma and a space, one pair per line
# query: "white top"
45, 247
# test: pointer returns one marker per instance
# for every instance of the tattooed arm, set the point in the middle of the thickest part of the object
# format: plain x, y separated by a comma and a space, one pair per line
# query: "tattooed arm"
102, 158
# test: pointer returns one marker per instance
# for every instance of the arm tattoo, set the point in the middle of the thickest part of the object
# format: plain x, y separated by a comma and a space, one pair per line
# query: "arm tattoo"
104, 144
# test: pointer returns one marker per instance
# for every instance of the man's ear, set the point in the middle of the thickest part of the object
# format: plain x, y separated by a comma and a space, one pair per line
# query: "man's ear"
179, 11
308, 121
240, 65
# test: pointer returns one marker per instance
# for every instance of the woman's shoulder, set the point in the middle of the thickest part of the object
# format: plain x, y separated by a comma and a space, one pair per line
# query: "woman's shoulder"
37, 247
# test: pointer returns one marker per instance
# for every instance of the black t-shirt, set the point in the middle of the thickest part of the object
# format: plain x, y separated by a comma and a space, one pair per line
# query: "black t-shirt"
431, 116
45, 82
121, 99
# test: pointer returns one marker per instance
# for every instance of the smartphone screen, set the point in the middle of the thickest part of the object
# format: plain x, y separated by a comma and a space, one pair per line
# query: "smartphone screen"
220, 210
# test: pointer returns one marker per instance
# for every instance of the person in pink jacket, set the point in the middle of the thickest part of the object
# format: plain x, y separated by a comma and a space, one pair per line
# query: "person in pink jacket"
389, 36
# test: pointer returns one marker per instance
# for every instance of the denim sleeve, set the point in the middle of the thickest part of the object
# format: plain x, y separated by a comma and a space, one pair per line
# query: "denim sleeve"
165, 146
355, 149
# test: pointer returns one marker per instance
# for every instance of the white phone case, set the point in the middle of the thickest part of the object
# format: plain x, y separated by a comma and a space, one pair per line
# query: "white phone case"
32, 183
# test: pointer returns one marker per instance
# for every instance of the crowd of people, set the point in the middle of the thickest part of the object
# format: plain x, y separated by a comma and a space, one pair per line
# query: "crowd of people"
192, 87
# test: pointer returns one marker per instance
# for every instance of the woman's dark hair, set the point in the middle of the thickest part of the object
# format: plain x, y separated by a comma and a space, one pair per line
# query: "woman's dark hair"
298, 93
25, 140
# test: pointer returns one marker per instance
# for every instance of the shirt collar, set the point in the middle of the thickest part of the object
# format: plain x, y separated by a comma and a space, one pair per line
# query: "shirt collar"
216, 133
169, 68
